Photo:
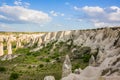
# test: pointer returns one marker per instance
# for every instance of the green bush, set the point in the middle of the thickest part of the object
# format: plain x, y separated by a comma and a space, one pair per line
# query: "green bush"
47, 60
86, 57
14, 76
76, 66
41, 65
2, 69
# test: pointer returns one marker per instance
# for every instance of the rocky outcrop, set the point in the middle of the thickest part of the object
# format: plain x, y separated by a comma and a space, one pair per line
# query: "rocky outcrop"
1, 46
18, 43
9, 46
49, 78
66, 69
89, 73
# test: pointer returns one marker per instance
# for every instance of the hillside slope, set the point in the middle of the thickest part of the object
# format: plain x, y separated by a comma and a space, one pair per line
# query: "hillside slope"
97, 49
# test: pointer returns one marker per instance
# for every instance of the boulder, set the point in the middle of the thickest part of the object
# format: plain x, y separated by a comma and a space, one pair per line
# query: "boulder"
49, 78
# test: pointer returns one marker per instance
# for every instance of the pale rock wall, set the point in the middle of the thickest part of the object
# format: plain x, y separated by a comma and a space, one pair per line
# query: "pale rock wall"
1, 46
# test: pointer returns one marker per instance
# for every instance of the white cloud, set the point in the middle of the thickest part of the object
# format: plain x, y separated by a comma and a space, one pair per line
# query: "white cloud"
53, 13
62, 14
26, 4
76, 8
21, 3
114, 16
18, 2
19, 14
2, 17
100, 16
115, 8
95, 9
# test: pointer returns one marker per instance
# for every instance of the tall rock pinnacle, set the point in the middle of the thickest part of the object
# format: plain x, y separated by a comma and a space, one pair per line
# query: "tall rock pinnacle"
66, 67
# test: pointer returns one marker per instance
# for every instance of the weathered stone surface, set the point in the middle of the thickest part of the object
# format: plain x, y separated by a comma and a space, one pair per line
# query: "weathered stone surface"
66, 69
111, 77
1, 46
92, 61
18, 45
9, 46
89, 73
106, 40
71, 77
49, 78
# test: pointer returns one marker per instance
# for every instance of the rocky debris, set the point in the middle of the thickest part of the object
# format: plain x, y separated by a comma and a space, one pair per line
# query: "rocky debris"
1, 46
66, 69
49, 78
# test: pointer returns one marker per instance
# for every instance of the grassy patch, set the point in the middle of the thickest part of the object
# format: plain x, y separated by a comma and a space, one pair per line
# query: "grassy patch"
37, 65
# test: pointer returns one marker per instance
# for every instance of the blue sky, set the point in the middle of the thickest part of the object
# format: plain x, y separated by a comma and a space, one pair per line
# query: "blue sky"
56, 15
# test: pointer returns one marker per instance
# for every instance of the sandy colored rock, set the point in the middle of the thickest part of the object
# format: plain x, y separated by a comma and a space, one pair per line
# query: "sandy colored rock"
1, 46
49, 78
66, 69
9, 47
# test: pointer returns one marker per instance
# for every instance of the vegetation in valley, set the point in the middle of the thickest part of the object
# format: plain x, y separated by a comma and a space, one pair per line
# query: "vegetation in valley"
46, 61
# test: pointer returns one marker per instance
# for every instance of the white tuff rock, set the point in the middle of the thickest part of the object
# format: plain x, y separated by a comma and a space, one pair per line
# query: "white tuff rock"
1, 46
49, 78
66, 67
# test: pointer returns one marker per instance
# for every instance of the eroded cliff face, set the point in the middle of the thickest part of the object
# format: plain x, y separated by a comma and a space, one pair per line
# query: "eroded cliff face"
105, 41
106, 38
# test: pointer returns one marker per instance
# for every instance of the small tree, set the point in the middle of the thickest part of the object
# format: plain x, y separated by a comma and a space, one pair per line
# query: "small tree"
14, 76
2, 69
